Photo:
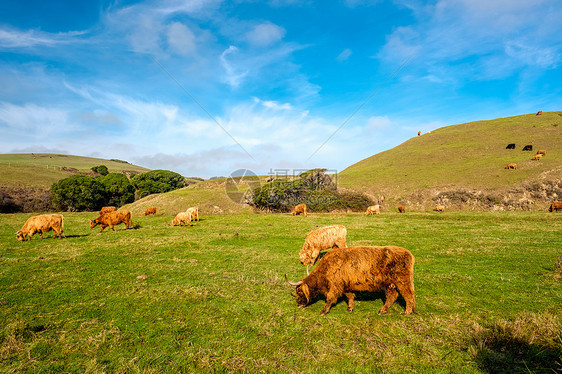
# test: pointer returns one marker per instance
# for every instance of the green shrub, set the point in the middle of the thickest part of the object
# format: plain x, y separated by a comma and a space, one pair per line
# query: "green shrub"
118, 189
157, 181
101, 169
78, 193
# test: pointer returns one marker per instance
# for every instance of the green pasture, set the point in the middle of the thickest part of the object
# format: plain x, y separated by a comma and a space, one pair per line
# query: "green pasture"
212, 297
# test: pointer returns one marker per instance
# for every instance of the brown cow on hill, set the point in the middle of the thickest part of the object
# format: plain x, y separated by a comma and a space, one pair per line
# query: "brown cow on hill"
107, 209
373, 209
555, 206
419, 133
511, 166
541, 152
539, 112
439, 208
112, 219
41, 224
194, 211
151, 210
301, 208
537, 157
345, 271
401, 209
182, 219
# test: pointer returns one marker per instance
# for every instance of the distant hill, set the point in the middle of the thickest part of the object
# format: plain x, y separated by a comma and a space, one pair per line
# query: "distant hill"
462, 166
41, 170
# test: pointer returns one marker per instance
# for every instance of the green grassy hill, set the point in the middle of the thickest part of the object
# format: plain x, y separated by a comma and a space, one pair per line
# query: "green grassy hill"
469, 160
41, 170
209, 196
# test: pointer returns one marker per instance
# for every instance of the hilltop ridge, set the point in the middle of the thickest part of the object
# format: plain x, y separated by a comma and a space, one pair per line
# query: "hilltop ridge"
463, 166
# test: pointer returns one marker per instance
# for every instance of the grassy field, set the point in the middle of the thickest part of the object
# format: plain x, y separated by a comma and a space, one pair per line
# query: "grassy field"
212, 297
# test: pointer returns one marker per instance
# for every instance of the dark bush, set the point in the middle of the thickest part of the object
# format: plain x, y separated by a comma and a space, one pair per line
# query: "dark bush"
78, 193
313, 188
101, 169
118, 189
157, 181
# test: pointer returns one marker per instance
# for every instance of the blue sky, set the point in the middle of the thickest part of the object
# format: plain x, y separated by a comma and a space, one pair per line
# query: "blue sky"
205, 87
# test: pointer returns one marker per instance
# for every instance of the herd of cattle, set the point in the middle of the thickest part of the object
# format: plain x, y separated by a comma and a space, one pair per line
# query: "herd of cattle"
341, 271
536, 157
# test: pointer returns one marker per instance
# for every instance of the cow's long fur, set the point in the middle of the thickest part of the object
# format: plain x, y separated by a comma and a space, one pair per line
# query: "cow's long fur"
151, 210
373, 209
112, 219
41, 224
439, 208
537, 156
301, 208
345, 271
107, 209
401, 209
194, 211
182, 218
555, 206
511, 166
320, 239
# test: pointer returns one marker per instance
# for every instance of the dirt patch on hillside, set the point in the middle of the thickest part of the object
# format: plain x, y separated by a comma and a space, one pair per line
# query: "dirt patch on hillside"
537, 195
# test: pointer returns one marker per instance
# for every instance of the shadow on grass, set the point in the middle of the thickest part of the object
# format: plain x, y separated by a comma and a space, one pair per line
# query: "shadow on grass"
373, 297
502, 349
76, 236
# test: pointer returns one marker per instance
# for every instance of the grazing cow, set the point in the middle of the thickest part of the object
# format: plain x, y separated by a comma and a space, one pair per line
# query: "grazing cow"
107, 209
419, 133
511, 166
194, 211
320, 239
510, 146
539, 113
112, 219
149, 211
439, 208
41, 224
537, 157
182, 219
401, 209
373, 209
541, 152
528, 147
301, 208
345, 271
555, 206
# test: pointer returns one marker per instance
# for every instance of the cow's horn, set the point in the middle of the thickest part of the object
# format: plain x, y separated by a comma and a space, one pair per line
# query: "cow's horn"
292, 283
307, 273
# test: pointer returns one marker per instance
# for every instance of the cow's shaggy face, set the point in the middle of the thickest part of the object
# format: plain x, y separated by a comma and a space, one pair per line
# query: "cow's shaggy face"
93, 223
303, 295
20, 236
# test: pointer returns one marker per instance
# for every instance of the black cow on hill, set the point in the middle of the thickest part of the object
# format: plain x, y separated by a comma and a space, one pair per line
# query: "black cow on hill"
510, 146
528, 147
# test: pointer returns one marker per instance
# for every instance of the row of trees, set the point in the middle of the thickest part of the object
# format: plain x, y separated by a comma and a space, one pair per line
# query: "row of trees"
85, 193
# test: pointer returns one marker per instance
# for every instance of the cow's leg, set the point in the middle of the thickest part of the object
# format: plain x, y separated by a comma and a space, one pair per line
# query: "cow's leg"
350, 301
391, 296
407, 292
112, 227
330, 300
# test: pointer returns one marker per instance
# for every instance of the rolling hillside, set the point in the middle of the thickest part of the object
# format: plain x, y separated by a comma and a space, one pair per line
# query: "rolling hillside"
462, 166
41, 170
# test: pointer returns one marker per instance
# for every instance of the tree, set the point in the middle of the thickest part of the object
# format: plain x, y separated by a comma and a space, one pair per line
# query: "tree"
157, 181
101, 169
78, 192
118, 189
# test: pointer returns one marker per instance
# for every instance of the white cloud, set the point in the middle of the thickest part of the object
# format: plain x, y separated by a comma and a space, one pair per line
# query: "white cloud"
265, 34
233, 77
378, 123
181, 39
32, 38
344, 55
